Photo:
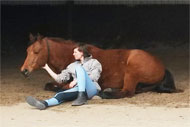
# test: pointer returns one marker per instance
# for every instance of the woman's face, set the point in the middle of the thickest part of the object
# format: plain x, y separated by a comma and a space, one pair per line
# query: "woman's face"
77, 54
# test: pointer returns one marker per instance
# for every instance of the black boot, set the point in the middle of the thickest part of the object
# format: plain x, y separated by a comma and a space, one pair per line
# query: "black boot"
36, 103
81, 99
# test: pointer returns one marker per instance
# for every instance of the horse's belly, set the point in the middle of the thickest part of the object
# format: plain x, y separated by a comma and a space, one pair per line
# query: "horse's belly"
112, 81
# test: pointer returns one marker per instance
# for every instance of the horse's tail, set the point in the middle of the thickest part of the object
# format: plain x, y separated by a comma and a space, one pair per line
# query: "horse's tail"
167, 85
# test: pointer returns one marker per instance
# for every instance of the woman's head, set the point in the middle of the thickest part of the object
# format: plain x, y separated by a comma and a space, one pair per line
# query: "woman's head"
81, 51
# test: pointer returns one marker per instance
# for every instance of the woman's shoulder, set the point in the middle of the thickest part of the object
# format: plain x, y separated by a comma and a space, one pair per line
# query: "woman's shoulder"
73, 64
95, 60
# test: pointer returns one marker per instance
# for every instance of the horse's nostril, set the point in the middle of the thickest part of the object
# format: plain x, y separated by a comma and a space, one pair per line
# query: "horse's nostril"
25, 72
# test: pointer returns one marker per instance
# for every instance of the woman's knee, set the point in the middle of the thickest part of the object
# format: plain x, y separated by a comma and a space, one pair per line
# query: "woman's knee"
79, 69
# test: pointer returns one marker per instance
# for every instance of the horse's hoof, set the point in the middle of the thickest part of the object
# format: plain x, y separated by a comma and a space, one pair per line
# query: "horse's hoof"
96, 97
105, 95
109, 90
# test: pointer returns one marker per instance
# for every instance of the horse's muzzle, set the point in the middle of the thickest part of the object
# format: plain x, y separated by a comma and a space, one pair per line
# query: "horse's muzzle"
25, 72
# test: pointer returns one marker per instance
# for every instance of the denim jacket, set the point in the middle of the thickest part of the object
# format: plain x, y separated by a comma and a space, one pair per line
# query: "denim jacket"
91, 66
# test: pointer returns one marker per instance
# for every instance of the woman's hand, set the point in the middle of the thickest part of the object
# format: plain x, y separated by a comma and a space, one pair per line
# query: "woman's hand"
72, 84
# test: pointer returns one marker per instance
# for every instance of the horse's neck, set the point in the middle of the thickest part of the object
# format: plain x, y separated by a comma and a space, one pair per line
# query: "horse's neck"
96, 52
60, 55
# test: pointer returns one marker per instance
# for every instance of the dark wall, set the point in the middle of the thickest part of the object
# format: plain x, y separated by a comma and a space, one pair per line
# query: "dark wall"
108, 26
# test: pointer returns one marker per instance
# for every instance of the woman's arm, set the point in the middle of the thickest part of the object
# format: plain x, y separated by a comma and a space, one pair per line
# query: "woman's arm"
51, 73
64, 76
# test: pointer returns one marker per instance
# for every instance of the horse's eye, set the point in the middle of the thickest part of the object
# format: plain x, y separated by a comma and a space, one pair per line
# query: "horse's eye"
35, 52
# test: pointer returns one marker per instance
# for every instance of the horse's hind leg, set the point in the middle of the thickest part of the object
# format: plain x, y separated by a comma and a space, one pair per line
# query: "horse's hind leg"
142, 87
128, 89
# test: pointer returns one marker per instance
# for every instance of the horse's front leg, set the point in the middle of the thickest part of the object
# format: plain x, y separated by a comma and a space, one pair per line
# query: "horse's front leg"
56, 87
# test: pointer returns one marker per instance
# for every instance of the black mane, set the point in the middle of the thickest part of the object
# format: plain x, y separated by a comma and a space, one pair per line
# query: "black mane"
57, 39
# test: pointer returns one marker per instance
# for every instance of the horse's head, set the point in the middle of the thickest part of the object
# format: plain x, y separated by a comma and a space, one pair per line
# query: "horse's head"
36, 55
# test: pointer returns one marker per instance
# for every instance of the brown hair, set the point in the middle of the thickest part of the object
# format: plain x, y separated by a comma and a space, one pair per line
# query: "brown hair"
83, 48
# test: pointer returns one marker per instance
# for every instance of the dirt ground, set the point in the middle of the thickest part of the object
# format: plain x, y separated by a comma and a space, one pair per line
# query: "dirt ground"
145, 109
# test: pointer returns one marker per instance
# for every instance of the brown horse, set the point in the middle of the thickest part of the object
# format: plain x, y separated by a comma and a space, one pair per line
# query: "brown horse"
125, 71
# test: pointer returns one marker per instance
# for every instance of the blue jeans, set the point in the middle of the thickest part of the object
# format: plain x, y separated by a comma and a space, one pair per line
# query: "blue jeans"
84, 84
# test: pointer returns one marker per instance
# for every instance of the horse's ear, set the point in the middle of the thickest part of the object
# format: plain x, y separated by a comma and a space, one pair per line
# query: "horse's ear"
39, 37
31, 37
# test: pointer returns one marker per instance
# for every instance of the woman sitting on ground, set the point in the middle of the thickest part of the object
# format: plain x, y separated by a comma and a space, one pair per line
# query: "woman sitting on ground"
85, 72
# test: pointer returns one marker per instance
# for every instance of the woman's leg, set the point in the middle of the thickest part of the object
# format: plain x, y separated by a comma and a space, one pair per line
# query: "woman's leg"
84, 82
85, 86
60, 97
67, 95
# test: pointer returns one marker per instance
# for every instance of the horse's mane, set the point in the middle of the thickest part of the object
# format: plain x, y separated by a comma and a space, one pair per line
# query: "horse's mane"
60, 40
71, 42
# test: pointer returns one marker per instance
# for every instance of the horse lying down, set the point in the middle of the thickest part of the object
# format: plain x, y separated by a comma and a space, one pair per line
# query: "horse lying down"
125, 72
